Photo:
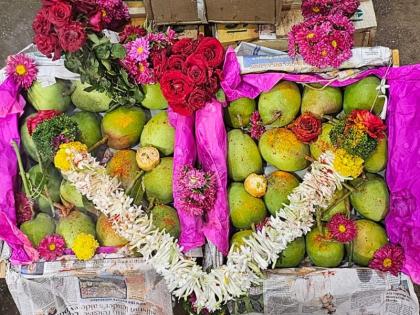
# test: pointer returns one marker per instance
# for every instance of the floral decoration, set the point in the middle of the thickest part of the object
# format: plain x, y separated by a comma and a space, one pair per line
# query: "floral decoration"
306, 127
33, 121
63, 159
24, 208
311, 8
388, 258
51, 247
256, 126
341, 228
84, 246
22, 69
368, 122
346, 164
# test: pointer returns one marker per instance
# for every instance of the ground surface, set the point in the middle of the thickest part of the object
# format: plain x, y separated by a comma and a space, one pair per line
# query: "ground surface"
398, 27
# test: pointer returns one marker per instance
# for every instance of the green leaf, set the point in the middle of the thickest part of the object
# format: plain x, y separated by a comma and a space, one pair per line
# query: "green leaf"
118, 51
107, 65
89, 89
93, 37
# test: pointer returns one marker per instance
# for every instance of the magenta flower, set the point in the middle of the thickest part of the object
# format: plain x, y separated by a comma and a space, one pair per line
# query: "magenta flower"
138, 49
51, 247
22, 69
388, 258
341, 228
58, 140
311, 8
256, 126
345, 7
113, 11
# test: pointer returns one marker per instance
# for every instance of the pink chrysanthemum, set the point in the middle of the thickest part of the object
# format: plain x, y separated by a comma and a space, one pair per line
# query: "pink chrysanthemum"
22, 69
51, 247
389, 258
197, 189
311, 8
345, 7
341, 228
138, 49
257, 127
139, 71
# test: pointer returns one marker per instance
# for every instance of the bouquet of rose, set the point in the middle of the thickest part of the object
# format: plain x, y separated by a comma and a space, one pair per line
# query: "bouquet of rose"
63, 25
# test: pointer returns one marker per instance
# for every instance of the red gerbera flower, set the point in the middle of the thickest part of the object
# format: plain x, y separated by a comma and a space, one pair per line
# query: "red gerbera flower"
341, 228
389, 258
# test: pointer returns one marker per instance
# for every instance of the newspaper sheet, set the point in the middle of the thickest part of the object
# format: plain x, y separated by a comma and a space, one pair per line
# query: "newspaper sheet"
317, 291
253, 59
119, 286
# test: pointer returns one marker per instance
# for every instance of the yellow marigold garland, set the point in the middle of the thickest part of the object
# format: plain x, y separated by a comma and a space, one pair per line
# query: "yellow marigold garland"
84, 246
347, 165
64, 157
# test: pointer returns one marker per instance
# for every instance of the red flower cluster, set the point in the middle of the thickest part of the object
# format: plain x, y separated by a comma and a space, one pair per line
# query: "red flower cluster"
370, 123
189, 72
62, 25
306, 127
40, 117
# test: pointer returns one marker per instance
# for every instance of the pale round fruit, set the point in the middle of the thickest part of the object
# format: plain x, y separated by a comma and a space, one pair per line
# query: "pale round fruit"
106, 234
147, 158
322, 250
280, 186
238, 238
256, 185
293, 254
239, 112
376, 162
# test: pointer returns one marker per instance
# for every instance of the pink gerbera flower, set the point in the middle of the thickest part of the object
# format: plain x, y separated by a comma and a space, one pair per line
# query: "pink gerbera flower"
138, 49
389, 258
341, 228
51, 247
22, 69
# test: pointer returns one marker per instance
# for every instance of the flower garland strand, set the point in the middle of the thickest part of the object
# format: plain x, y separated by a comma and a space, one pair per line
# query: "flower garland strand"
183, 275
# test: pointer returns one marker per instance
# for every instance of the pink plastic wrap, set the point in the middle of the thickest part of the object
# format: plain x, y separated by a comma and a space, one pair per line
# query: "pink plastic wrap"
11, 105
403, 120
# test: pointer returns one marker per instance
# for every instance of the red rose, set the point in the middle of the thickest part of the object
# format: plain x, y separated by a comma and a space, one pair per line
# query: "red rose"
212, 51
40, 117
159, 60
59, 14
181, 109
306, 127
175, 86
87, 7
196, 69
212, 85
197, 99
41, 24
95, 22
184, 47
175, 62
48, 44
72, 37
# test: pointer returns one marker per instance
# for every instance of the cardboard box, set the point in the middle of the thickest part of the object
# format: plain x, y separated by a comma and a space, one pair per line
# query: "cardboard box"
229, 34
173, 11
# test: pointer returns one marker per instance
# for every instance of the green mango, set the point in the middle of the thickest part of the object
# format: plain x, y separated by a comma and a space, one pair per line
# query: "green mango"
238, 113
123, 126
321, 101
70, 194
371, 199
166, 218
27, 141
90, 127
281, 148
106, 234
238, 239
369, 238
123, 165
37, 228
343, 207
282, 101
153, 97
55, 96
323, 143
280, 186
93, 101
72, 225
293, 254
159, 133
245, 209
362, 95
377, 161
322, 250
158, 182
243, 156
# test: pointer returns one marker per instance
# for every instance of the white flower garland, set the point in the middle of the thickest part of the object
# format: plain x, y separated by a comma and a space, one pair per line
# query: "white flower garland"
183, 275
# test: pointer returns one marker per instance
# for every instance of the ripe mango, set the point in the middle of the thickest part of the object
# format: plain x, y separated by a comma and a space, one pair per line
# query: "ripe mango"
322, 250
153, 97
238, 238
281, 148
93, 101
27, 142
280, 185
321, 101
123, 165
343, 207
70, 194
75, 223
238, 113
158, 182
106, 234
243, 156
159, 133
166, 218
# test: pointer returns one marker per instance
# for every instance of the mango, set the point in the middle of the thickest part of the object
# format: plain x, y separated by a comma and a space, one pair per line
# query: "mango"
158, 182
123, 165
70, 194
166, 218
362, 95
238, 239
371, 199
321, 101
369, 238
323, 143
153, 97
280, 186
238, 113
37, 228
281, 148
293, 254
279, 106
322, 250
243, 156
159, 133
123, 126
245, 209
27, 142
90, 127
377, 161
106, 234
343, 207
55, 96
75, 223
93, 101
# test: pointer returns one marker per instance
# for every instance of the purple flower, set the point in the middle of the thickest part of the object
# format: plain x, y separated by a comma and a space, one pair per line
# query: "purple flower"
22, 69
51, 247
138, 49
389, 258
58, 140
114, 12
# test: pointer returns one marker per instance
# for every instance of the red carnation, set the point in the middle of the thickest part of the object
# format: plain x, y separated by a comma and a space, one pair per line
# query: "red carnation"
372, 124
159, 60
212, 51
59, 14
47, 45
41, 24
197, 99
196, 69
184, 47
40, 117
306, 127
176, 86
72, 37
175, 62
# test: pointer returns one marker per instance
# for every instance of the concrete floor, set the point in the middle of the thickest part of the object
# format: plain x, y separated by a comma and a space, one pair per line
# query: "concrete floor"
398, 27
